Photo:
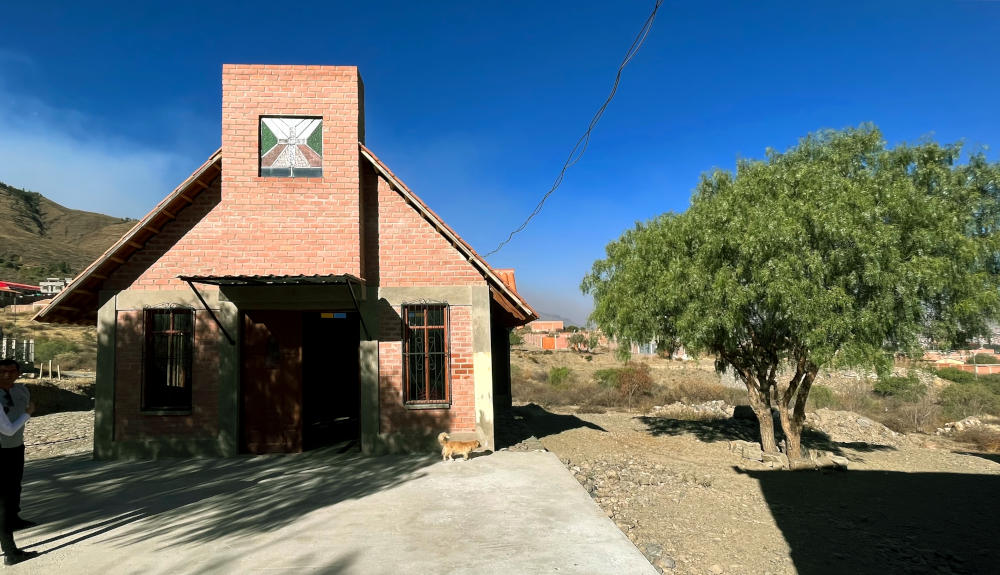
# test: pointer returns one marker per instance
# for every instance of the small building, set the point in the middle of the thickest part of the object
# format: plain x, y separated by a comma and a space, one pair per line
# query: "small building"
15, 293
52, 286
291, 293
545, 325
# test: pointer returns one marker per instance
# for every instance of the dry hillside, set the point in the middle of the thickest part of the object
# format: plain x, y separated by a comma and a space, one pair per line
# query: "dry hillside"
40, 238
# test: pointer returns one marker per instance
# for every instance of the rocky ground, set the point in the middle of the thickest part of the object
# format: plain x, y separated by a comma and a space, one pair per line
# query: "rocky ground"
687, 493
63, 423
59, 434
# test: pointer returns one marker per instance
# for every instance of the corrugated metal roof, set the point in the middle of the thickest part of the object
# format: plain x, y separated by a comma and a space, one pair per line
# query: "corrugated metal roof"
272, 280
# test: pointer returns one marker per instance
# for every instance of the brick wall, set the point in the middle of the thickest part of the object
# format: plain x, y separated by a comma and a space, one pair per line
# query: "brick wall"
395, 417
282, 226
130, 423
410, 251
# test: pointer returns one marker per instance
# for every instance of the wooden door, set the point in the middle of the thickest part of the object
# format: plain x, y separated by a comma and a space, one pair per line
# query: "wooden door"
271, 382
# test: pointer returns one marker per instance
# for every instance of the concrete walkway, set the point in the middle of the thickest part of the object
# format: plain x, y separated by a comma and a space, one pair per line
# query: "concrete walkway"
319, 512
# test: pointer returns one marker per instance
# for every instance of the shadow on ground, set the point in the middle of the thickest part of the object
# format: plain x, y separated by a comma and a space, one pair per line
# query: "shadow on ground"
994, 457
519, 423
885, 522
198, 500
49, 398
730, 429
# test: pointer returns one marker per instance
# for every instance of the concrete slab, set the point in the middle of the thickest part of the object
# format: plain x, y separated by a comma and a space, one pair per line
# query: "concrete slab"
319, 512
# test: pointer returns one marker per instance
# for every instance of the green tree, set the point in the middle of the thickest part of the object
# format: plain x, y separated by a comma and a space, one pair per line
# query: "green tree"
516, 338
576, 340
831, 253
593, 340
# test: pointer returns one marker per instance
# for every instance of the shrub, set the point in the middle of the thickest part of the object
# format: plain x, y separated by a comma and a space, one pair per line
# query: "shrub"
956, 375
607, 377
559, 376
983, 358
516, 338
982, 438
821, 396
592, 341
908, 416
634, 380
50, 348
907, 388
962, 400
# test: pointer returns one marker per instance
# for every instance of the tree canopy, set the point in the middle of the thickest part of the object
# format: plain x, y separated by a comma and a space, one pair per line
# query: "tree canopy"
837, 251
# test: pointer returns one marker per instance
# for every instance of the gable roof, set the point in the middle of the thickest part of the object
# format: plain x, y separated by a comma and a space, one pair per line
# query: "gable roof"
502, 293
78, 303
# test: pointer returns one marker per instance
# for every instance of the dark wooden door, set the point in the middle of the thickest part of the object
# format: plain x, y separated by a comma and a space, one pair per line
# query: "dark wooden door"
272, 382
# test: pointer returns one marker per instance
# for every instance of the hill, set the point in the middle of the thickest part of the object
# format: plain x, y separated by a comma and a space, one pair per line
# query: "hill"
40, 238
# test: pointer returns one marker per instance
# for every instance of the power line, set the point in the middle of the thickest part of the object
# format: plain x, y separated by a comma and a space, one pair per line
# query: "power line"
581, 145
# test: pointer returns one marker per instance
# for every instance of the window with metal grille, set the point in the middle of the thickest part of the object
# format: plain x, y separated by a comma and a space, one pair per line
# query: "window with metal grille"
426, 357
169, 345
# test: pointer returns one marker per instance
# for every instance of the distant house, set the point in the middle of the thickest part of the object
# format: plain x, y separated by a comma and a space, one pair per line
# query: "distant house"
293, 292
14, 293
52, 286
545, 325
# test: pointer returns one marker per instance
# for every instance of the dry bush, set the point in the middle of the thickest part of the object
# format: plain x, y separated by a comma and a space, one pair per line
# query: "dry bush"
634, 380
856, 396
698, 392
544, 394
901, 416
982, 438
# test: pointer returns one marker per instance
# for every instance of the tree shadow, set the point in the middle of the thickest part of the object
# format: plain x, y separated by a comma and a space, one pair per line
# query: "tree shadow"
522, 422
51, 399
994, 457
885, 522
199, 500
733, 429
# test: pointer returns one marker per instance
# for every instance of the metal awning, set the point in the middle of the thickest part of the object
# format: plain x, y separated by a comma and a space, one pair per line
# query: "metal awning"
273, 280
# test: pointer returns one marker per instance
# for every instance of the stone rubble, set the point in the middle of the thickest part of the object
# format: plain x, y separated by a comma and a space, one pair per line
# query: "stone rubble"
971, 422
57, 434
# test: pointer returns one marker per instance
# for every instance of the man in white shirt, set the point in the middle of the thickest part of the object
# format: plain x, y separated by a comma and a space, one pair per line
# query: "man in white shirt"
16, 407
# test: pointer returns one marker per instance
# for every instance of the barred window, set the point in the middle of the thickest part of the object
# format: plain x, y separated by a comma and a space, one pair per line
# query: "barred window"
426, 357
169, 345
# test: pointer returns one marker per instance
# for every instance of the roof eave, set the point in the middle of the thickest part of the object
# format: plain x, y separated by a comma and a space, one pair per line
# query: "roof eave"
470, 254
88, 282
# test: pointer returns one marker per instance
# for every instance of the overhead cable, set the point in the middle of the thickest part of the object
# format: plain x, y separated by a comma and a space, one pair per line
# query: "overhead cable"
581, 145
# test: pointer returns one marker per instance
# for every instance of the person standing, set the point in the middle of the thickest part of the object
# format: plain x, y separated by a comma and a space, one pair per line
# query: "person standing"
16, 407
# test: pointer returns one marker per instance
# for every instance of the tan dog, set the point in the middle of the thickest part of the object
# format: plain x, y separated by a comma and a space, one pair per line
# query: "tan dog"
450, 448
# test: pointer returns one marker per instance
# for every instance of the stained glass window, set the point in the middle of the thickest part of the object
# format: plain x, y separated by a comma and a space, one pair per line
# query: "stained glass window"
291, 147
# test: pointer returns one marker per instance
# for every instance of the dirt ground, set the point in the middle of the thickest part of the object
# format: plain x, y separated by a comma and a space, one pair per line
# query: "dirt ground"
678, 482
692, 505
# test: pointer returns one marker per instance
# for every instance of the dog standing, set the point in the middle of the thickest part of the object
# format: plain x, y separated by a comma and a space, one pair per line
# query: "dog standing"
450, 448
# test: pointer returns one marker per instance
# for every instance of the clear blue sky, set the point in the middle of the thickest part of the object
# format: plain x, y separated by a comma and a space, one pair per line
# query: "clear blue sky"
106, 106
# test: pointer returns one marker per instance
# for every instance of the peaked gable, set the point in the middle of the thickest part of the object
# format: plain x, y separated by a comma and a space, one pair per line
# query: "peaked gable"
505, 296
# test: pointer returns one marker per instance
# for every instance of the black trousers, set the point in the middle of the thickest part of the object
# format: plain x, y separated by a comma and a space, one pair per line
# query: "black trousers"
11, 476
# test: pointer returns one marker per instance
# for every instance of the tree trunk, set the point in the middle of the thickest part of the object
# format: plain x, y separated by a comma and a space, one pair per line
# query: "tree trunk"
791, 423
760, 402
793, 433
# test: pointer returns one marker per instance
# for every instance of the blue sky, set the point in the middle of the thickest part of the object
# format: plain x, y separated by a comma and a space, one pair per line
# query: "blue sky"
107, 106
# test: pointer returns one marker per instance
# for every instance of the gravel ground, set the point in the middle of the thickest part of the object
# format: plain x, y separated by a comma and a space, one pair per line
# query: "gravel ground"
912, 504
59, 434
